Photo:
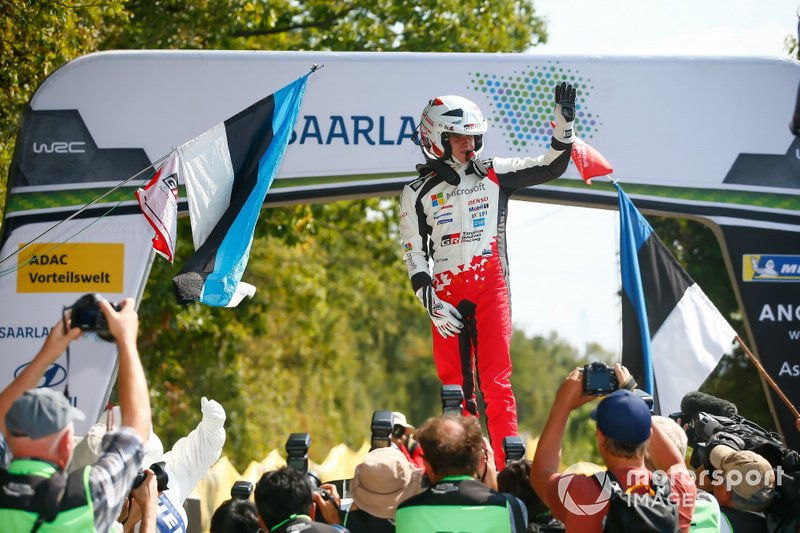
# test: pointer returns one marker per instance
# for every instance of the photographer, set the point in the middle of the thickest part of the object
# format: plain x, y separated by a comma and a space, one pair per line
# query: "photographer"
141, 506
236, 515
749, 469
183, 466
286, 502
403, 438
456, 453
623, 429
37, 424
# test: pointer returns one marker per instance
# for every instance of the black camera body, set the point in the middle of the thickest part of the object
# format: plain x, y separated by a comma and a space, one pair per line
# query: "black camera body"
704, 426
382, 425
598, 379
241, 490
296, 447
162, 478
452, 399
514, 448
86, 314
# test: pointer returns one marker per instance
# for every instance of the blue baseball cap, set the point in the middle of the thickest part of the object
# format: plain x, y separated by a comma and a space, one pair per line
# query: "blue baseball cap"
624, 417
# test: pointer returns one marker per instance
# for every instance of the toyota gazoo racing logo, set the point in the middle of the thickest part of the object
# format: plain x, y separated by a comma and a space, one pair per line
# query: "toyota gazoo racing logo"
584, 508
55, 375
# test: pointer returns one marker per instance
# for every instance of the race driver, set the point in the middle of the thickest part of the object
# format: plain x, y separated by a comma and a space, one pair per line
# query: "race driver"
454, 215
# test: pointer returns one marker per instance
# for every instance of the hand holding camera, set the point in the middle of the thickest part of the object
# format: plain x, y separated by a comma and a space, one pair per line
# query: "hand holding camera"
157, 470
111, 321
598, 379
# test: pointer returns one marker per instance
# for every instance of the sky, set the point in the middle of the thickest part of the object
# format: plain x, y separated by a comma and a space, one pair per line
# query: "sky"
564, 260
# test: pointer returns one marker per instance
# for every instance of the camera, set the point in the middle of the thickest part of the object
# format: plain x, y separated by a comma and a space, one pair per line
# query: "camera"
297, 446
382, 426
86, 314
647, 397
241, 490
452, 399
514, 448
162, 478
598, 379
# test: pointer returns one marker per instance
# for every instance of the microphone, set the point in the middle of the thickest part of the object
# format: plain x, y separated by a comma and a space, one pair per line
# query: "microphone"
699, 402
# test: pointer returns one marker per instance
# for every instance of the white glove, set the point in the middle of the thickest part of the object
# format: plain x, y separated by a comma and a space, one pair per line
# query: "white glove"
445, 317
213, 413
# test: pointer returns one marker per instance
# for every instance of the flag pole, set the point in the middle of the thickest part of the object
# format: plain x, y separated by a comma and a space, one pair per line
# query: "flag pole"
767, 377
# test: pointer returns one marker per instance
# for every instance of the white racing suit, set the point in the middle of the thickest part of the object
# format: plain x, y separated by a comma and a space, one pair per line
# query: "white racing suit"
185, 464
459, 223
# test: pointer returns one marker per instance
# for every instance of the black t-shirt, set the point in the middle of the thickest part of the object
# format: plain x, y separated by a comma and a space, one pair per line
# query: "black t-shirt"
744, 521
359, 521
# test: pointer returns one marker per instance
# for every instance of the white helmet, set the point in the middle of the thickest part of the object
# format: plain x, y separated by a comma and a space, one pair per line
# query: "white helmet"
449, 114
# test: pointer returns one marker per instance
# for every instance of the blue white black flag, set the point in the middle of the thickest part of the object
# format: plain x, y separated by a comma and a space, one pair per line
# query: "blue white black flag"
228, 170
672, 335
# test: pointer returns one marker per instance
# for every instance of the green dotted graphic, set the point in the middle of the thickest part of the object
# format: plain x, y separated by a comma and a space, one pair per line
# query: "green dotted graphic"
521, 104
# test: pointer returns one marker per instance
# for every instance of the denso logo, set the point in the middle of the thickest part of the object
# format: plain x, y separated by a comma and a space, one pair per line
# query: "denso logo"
467, 192
60, 147
54, 375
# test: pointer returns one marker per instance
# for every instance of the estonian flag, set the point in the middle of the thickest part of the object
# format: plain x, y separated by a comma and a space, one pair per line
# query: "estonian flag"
670, 329
228, 170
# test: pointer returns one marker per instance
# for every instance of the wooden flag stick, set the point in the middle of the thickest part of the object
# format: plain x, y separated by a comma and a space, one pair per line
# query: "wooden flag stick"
766, 376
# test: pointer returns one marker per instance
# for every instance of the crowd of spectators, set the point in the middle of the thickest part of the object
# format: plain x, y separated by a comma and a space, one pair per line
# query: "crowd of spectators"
440, 477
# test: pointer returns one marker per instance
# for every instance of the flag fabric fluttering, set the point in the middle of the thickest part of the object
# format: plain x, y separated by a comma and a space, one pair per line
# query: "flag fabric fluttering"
227, 171
672, 334
158, 201
589, 162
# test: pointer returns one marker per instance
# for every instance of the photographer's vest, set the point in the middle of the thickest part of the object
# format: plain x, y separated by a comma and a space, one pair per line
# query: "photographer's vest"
30, 492
461, 503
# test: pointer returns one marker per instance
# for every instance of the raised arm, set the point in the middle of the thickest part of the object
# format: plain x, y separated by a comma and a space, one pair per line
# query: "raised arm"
54, 345
134, 398
518, 172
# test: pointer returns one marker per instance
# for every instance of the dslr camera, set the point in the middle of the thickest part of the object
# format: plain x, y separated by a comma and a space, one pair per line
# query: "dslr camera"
86, 314
241, 490
382, 426
452, 399
297, 446
514, 448
598, 379
162, 478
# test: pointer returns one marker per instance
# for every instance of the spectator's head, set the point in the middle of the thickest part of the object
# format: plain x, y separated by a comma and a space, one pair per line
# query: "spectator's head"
515, 479
39, 424
623, 425
383, 481
453, 445
673, 432
749, 480
235, 516
282, 493
400, 427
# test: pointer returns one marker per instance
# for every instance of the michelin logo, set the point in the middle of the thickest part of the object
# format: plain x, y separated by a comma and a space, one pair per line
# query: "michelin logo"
770, 268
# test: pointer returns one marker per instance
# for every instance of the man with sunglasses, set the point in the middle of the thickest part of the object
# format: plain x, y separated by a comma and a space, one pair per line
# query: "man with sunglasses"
454, 215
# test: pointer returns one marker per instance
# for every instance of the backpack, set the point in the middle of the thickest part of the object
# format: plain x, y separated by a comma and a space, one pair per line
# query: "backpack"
635, 511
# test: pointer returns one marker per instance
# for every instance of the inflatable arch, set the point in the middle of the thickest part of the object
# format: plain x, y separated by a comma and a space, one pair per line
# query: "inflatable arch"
705, 138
